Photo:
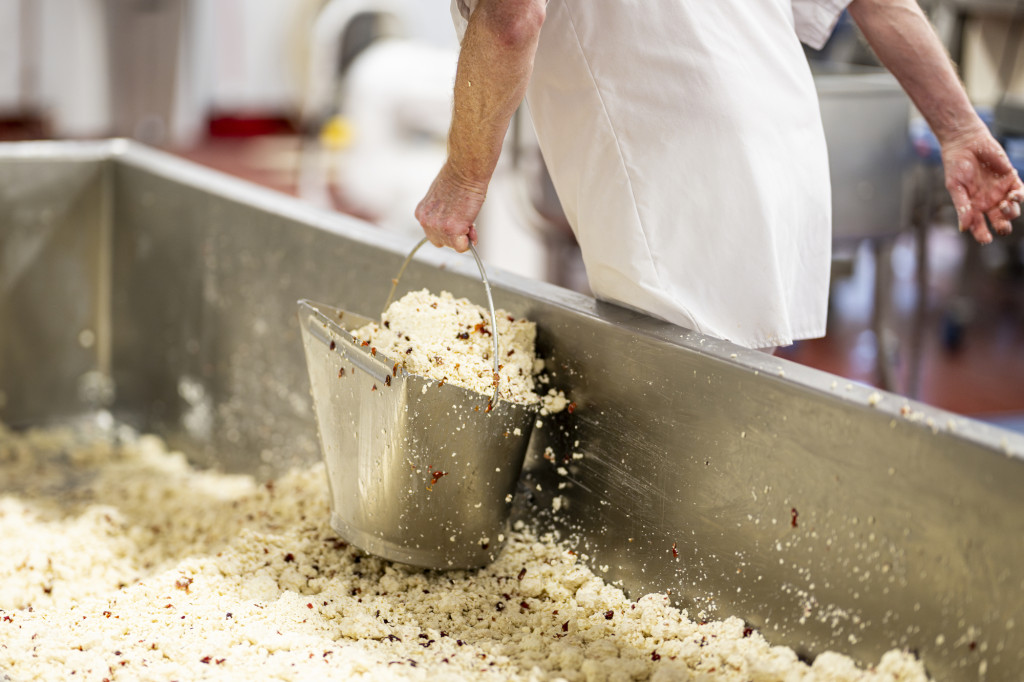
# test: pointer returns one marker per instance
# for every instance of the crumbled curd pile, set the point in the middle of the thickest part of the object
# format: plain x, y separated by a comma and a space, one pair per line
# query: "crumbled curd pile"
450, 339
120, 562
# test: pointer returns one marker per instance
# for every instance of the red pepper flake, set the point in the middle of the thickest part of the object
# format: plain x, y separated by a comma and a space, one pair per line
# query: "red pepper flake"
522, 573
571, 408
510, 318
289, 558
394, 370
565, 626
434, 304
220, 660
793, 514
183, 584
206, 659
408, 350
608, 615
387, 380
442, 381
655, 656
462, 335
365, 344
341, 372
481, 328
748, 631
309, 605
373, 352
675, 552
374, 388
523, 605
333, 345
436, 476
500, 606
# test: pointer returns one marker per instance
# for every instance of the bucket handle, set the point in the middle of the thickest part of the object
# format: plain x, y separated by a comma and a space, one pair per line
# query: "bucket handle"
490, 304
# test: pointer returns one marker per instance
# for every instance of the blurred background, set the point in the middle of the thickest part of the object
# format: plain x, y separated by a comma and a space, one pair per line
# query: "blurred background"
345, 104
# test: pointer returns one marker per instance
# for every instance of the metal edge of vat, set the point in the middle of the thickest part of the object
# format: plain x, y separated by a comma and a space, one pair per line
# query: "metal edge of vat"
692, 396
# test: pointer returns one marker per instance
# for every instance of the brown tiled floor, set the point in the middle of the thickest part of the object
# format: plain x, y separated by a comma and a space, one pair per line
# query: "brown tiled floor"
971, 357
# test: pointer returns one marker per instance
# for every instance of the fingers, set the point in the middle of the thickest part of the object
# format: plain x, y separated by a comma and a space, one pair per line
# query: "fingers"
458, 242
978, 230
1000, 224
968, 217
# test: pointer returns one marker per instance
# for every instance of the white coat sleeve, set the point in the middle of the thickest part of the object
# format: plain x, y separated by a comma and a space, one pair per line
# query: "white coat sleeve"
815, 20
461, 9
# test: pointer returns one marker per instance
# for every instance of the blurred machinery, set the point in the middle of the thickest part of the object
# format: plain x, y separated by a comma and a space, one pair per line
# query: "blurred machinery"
986, 39
376, 111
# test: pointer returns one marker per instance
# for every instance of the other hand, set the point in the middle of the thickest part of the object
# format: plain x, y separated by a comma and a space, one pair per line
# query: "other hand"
982, 182
448, 211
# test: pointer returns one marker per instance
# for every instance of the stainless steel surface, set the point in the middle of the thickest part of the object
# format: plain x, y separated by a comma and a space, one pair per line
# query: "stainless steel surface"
908, 520
866, 116
420, 471
147, 48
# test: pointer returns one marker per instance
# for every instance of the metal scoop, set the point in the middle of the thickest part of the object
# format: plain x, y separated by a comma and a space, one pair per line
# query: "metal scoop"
420, 471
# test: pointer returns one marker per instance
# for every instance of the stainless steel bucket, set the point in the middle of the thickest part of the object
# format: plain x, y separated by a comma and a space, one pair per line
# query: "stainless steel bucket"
420, 471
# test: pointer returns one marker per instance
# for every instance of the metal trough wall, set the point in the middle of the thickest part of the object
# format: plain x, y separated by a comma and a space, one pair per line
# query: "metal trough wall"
743, 484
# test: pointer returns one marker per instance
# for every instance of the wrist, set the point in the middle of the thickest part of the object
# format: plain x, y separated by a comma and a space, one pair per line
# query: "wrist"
959, 123
455, 176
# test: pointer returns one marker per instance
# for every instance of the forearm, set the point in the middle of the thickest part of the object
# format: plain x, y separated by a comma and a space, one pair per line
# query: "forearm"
494, 68
905, 42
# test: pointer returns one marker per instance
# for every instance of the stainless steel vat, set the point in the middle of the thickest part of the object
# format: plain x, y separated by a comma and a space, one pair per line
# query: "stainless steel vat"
825, 514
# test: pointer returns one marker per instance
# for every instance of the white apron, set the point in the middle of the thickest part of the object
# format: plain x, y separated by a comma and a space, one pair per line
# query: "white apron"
685, 143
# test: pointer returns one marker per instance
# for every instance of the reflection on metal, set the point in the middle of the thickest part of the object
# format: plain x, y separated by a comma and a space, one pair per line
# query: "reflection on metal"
825, 514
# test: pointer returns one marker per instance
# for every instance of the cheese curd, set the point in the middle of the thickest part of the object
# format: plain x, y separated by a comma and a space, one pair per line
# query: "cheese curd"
121, 562
450, 339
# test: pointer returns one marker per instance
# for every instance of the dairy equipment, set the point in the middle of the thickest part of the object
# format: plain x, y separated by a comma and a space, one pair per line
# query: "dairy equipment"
389, 436
826, 514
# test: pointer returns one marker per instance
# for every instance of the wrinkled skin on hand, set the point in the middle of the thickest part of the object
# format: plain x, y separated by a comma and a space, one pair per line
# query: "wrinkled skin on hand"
449, 209
982, 183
